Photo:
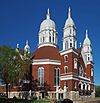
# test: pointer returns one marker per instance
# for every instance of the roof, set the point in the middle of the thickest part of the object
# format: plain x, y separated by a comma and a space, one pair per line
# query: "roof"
46, 52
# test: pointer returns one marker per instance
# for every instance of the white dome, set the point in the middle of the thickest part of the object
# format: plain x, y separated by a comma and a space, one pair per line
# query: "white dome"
47, 23
27, 47
69, 21
87, 40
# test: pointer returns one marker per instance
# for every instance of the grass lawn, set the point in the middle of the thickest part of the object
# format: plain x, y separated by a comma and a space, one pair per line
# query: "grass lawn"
4, 100
40, 101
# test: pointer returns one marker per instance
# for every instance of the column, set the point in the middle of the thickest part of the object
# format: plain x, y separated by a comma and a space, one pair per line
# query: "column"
57, 95
65, 91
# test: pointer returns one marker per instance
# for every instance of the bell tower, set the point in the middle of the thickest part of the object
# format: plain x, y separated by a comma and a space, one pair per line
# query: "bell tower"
69, 33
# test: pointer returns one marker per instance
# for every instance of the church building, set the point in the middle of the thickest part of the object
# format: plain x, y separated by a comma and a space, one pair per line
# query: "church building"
69, 72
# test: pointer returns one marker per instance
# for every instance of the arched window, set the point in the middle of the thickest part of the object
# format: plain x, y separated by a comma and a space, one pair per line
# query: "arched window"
79, 86
65, 58
43, 39
53, 38
92, 72
88, 57
40, 39
56, 76
70, 45
66, 45
75, 63
41, 75
70, 31
80, 70
65, 69
49, 36
66, 83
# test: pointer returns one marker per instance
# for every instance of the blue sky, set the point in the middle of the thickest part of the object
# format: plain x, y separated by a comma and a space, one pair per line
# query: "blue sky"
20, 21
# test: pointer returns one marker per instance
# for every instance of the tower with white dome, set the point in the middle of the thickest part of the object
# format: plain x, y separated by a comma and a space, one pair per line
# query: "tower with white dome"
27, 48
69, 33
87, 49
47, 33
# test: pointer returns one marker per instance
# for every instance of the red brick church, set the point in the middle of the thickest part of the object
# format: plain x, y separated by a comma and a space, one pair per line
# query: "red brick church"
69, 72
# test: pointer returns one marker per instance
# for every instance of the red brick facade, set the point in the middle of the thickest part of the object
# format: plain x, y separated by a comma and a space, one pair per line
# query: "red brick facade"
72, 76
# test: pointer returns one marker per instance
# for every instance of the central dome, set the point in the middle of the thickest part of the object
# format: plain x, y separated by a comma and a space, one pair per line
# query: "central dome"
47, 23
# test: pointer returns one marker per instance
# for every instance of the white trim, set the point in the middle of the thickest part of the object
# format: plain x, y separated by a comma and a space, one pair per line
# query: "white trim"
90, 63
46, 61
46, 44
83, 78
79, 78
68, 51
68, 78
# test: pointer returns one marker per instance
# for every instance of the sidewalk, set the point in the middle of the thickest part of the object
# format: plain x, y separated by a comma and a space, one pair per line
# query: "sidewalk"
95, 100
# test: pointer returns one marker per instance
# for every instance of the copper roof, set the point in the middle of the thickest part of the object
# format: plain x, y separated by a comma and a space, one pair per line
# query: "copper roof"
46, 52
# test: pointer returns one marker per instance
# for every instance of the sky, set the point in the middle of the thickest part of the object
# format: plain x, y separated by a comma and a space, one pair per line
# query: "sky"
20, 21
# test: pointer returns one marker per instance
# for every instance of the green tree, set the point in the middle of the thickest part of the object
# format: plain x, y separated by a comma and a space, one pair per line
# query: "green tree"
13, 66
97, 91
7, 56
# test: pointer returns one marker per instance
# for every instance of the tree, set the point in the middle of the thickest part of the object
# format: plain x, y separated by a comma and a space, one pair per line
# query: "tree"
7, 65
13, 66
97, 91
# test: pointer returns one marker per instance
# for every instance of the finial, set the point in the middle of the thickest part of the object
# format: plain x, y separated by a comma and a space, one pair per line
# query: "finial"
48, 14
48, 11
26, 42
17, 46
69, 13
86, 33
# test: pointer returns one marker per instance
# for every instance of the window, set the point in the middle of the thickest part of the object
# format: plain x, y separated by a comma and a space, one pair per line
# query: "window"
43, 39
70, 45
40, 40
49, 37
66, 45
65, 58
56, 76
66, 83
74, 85
41, 75
92, 72
88, 48
75, 63
53, 38
80, 71
70, 31
88, 57
66, 69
